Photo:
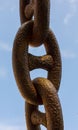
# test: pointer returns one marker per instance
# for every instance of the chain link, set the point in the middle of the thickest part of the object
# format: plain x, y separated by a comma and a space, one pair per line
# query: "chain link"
30, 9
34, 31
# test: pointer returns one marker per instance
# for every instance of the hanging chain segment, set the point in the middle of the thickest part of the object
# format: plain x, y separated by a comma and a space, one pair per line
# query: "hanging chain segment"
39, 10
34, 16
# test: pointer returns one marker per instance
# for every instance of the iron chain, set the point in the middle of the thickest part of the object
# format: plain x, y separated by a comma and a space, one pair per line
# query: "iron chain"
34, 31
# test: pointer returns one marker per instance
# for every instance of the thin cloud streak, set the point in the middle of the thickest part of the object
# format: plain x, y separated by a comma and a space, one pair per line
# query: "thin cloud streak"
68, 17
8, 127
73, 5
68, 54
8, 5
5, 47
3, 73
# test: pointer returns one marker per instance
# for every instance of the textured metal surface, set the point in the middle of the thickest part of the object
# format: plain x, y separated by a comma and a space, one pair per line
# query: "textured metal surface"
53, 117
39, 9
40, 90
21, 66
51, 103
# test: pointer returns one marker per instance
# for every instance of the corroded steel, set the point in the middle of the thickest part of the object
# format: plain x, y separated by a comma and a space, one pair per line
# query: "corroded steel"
21, 66
53, 118
40, 90
30, 9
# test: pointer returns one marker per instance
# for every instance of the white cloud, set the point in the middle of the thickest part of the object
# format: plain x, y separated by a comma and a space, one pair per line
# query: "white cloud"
60, 1
3, 72
73, 6
8, 127
10, 5
73, 1
5, 47
68, 54
67, 18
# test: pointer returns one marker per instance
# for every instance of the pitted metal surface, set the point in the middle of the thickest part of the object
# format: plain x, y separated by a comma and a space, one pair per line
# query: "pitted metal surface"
39, 9
40, 91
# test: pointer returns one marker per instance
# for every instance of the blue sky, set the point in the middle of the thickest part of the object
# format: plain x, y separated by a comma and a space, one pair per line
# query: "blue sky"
64, 22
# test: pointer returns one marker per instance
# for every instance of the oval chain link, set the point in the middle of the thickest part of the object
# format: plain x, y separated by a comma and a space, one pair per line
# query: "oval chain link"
40, 90
30, 9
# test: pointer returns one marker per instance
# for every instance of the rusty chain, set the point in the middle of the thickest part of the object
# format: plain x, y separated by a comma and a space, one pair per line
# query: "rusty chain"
34, 31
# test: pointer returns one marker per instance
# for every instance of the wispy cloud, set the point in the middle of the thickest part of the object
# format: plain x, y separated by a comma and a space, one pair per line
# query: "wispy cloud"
3, 72
68, 17
8, 5
73, 6
60, 1
5, 47
8, 127
68, 54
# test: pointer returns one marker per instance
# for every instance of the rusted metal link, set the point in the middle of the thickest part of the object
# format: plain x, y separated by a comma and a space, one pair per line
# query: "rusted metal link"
52, 49
34, 16
29, 109
38, 118
53, 119
23, 4
40, 10
34, 118
20, 64
44, 62
21, 67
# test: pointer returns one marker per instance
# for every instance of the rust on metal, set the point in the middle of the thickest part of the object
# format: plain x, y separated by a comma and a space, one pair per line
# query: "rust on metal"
39, 9
34, 31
